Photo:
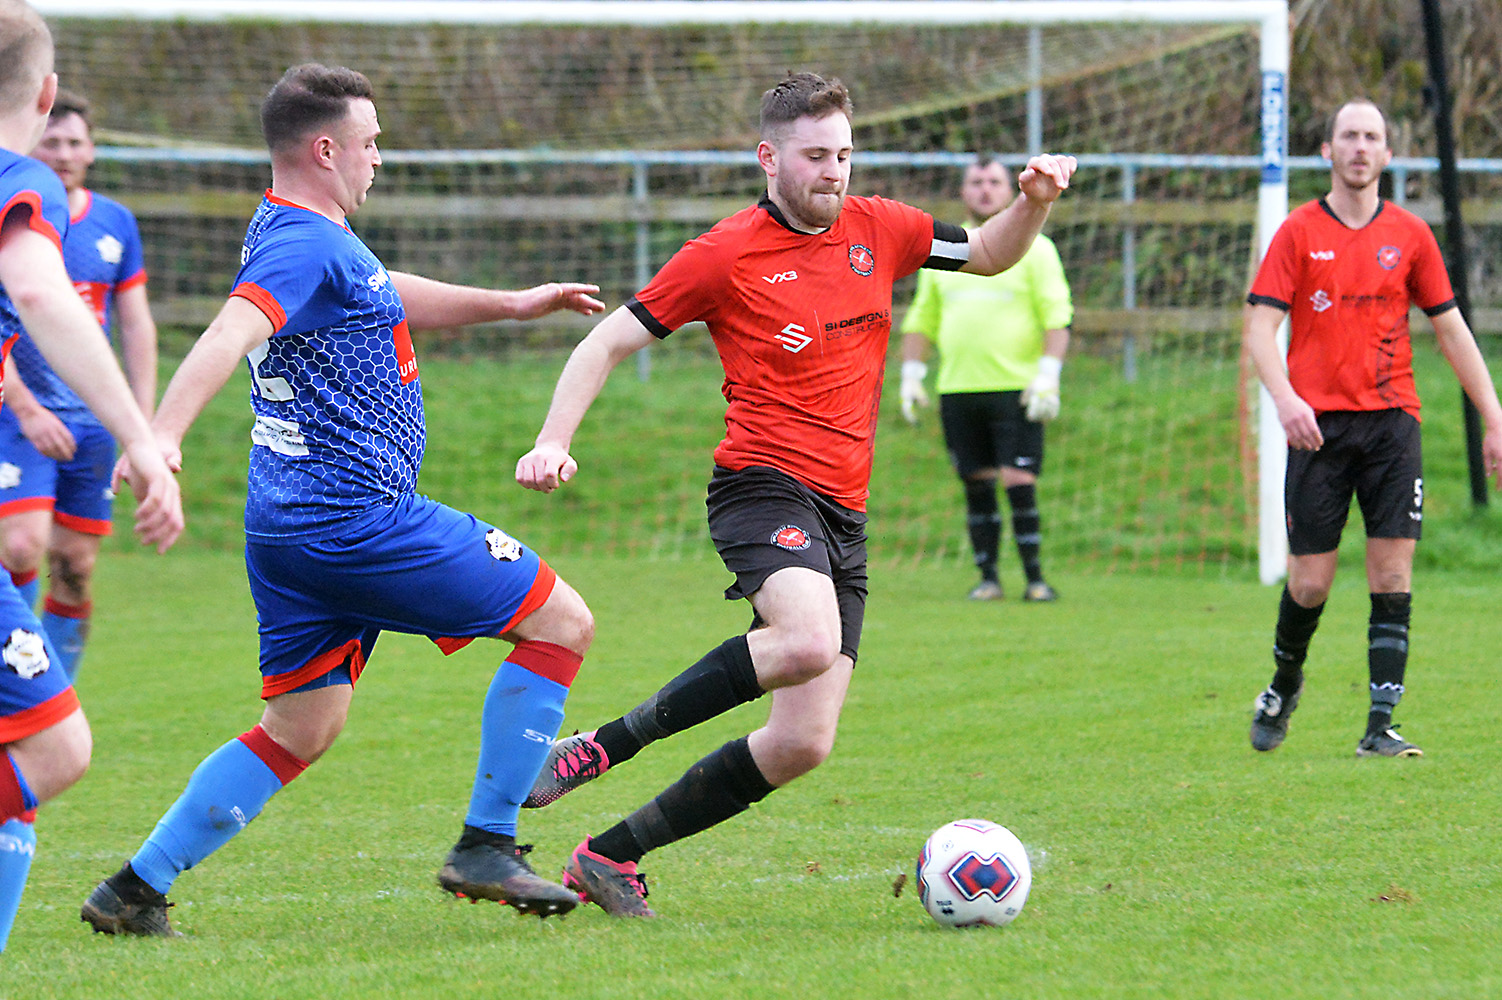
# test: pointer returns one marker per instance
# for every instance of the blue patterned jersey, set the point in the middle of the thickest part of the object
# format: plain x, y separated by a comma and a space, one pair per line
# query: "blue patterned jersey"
30, 183
338, 406
102, 252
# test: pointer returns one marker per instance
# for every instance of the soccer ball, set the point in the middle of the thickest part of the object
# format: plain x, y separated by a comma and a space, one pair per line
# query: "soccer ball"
973, 873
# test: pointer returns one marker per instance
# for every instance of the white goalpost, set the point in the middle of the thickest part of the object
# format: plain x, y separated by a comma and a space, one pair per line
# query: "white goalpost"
471, 178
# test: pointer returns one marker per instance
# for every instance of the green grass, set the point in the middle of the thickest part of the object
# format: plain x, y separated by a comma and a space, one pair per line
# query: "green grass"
1108, 731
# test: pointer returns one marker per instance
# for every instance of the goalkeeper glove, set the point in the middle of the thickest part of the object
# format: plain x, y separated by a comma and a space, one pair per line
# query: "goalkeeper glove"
1041, 397
912, 392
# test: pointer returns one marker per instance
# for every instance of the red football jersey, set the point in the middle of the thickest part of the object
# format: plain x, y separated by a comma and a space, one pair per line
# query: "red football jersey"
1347, 292
801, 322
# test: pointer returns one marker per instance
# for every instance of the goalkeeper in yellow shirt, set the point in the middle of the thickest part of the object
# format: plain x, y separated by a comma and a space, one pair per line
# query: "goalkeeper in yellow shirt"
1001, 342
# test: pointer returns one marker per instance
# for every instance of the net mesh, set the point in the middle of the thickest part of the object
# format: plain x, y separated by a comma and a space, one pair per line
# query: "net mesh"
1150, 464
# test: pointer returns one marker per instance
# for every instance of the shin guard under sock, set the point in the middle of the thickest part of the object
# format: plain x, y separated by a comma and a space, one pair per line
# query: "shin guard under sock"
225, 793
1296, 625
18, 842
720, 786
1027, 529
523, 710
983, 521
1387, 655
67, 625
723, 679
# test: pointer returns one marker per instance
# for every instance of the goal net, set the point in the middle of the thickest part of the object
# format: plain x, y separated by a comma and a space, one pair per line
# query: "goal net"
587, 141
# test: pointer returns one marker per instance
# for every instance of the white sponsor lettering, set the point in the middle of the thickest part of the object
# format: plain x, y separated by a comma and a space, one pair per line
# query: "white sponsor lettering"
1321, 301
773, 279
282, 436
1321, 254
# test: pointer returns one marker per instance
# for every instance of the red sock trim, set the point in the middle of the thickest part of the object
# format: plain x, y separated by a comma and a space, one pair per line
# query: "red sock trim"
22, 579
12, 804
29, 816
558, 664
283, 763
53, 606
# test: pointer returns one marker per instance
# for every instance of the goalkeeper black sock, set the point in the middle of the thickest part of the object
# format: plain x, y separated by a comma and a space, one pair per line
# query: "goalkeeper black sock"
1027, 528
984, 522
720, 786
1387, 655
723, 679
1296, 625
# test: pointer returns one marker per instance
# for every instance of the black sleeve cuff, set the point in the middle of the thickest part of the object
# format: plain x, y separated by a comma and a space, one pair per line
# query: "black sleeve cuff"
649, 321
1443, 307
1268, 300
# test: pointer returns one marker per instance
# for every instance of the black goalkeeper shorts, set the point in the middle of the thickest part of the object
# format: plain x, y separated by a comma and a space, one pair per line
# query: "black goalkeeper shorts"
990, 430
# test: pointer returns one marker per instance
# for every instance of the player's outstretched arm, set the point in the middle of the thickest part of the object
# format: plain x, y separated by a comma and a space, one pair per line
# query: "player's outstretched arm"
1006, 236
47, 434
239, 328
1259, 331
63, 328
437, 305
1458, 345
548, 465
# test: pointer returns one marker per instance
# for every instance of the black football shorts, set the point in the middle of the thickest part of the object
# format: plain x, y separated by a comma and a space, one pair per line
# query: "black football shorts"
990, 430
762, 520
1376, 456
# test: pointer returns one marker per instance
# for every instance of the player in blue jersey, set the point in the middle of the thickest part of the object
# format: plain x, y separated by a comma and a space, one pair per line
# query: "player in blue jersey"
55, 456
339, 546
44, 738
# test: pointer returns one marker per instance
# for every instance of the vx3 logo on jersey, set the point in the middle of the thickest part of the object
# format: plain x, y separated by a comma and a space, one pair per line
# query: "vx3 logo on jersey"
1321, 254
793, 338
773, 279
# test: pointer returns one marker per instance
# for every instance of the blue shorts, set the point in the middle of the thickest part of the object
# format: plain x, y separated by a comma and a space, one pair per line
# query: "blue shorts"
76, 491
417, 567
34, 689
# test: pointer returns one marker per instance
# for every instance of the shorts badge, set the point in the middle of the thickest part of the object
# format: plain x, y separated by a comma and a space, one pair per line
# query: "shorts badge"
502, 546
26, 654
791, 537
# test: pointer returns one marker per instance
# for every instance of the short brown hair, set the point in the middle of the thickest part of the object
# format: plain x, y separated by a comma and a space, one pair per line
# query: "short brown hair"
70, 103
309, 97
1330, 125
801, 95
25, 53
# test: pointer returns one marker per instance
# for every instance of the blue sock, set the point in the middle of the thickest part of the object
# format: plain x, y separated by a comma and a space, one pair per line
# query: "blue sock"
29, 590
18, 843
523, 711
67, 635
226, 792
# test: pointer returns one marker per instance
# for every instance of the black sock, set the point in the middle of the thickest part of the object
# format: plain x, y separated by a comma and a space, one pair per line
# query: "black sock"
1027, 528
1387, 655
720, 786
1296, 625
723, 679
984, 522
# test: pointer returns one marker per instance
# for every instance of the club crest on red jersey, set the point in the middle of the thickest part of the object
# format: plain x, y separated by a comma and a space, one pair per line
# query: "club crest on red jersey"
791, 537
862, 260
1389, 257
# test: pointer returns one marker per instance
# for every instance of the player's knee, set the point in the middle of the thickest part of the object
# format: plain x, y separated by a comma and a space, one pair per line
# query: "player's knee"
799, 753
72, 571
22, 549
805, 655
1309, 593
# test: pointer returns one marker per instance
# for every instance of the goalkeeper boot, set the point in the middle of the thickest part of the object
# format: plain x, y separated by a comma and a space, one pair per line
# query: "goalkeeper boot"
986, 590
615, 887
1039, 591
1270, 721
485, 865
572, 761
125, 904
1386, 743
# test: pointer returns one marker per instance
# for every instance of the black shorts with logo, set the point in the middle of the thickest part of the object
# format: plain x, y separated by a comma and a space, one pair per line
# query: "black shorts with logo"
762, 520
1374, 455
990, 430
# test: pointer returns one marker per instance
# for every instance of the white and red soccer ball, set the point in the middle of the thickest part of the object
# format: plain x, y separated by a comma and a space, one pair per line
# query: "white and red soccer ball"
973, 873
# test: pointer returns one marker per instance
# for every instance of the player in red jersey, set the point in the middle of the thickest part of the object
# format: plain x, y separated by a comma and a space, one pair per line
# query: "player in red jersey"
797, 294
1345, 269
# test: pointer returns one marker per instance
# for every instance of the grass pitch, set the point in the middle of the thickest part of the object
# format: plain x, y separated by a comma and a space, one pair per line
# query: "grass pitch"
1108, 731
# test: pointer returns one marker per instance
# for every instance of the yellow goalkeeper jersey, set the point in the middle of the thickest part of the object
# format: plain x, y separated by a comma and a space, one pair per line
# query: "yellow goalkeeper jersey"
989, 330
